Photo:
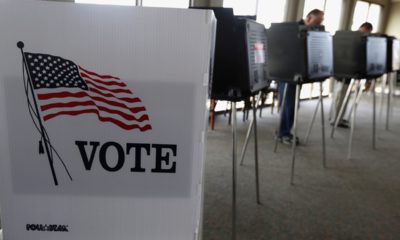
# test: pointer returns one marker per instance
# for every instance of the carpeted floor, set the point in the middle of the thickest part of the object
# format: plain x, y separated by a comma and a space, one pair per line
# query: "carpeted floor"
350, 199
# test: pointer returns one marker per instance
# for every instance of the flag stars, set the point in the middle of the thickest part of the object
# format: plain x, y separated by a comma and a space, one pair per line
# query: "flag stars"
52, 72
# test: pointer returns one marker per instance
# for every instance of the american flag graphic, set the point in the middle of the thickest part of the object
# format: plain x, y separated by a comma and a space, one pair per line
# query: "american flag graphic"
64, 88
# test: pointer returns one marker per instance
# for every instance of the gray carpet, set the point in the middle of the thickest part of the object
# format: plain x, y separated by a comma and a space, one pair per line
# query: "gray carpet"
350, 199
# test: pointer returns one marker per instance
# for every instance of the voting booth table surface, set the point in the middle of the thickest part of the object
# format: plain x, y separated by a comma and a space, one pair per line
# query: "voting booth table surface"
102, 121
299, 54
360, 57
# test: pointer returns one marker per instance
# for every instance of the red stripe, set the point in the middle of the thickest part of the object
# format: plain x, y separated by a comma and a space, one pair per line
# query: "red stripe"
103, 119
143, 118
98, 75
117, 90
47, 96
129, 100
112, 103
108, 83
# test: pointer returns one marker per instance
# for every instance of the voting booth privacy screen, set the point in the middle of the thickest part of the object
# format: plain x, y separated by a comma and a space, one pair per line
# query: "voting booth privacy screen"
359, 55
102, 120
296, 51
393, 54
240, 65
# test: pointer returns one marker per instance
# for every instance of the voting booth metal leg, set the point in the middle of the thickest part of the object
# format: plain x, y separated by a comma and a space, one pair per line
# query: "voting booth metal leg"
249, 130
253, 126
294, 144
342, 108
256, 149
332, 110
281, 116
322, 125
246, 142
360, 93
313, 120
353, 117
373, 114
234, 170
389, 100
383, 88
320, 105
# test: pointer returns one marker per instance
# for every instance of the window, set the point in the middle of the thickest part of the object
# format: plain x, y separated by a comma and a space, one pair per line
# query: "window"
166, 3
242, 7
110, 2
271, 11
332, 9
366, 12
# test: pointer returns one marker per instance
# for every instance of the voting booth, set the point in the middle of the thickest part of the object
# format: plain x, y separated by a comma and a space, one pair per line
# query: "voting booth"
240, 64
102, 120
359, 55
299, 53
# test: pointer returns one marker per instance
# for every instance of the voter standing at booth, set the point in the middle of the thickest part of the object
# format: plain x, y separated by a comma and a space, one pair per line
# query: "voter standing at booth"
343, 87
315, 17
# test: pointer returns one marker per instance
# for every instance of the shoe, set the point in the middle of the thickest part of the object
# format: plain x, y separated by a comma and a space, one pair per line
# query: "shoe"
288, 140
343, 124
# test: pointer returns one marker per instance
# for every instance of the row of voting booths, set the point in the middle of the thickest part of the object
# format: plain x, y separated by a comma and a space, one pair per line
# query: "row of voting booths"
149, 202
248, 57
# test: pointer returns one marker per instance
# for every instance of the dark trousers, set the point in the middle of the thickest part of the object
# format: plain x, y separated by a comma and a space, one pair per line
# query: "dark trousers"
288, 109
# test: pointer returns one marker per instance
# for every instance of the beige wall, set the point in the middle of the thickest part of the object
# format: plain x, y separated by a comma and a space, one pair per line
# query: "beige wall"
393, 24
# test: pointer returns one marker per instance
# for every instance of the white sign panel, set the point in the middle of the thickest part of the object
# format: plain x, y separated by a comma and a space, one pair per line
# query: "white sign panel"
102, 121
396, 54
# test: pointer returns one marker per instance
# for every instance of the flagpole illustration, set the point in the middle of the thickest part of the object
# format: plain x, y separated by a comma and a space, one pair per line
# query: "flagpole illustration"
44, 137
